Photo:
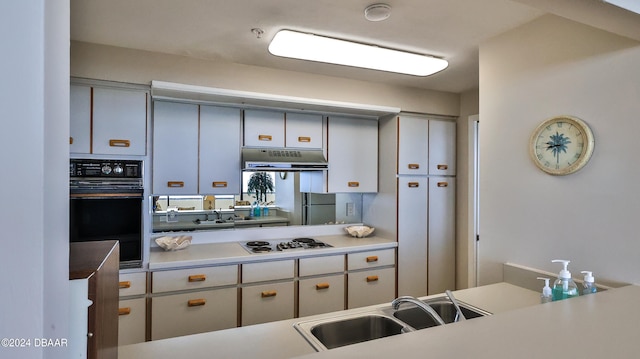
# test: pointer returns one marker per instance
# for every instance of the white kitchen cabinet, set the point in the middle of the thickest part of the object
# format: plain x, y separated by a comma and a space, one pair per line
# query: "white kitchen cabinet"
352, 155
219, 150
132, 312
321, 285
442, 214
194, 300
267, 291
371, 278
108, 121
442, 148
80, 119
413, 146
175, 148
119, 121
303, 130
413, 218
263, 128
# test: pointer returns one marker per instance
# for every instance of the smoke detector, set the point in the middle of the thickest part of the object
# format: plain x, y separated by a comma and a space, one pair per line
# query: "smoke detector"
377, 12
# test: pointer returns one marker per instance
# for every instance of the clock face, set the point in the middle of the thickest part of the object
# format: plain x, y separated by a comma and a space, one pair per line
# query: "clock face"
561, 145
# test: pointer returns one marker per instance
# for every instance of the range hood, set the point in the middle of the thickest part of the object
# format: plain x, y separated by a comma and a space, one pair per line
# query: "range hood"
283, 159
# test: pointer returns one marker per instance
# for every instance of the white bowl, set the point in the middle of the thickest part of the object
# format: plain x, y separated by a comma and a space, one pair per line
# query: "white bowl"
174, 243
359, 231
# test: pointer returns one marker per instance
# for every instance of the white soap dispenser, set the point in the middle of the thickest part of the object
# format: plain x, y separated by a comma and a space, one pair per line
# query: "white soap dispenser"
589, 285
564, 287
546, 295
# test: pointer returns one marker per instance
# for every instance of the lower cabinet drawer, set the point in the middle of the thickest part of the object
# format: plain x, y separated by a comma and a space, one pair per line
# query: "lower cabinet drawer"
371, 287
267, 303
321, 295
132, 321
195, 312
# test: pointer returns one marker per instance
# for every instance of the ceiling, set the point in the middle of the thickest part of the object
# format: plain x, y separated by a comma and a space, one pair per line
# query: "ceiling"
220, 30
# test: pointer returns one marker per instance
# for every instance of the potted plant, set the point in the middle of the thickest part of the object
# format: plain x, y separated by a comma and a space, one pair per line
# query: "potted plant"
260, 183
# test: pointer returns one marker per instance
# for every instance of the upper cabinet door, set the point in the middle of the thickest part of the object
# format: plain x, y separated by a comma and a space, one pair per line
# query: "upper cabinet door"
303, 131
80, 119
442, 148
263, 128
175, 148
119, 121
220, 150
352, 155
413, 145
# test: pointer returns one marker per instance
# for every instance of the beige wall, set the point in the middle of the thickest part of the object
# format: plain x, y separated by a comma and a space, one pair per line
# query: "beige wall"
135, 66
550, 67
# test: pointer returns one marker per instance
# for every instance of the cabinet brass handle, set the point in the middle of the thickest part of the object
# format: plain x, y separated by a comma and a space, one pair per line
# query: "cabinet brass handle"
265, 137
197, 302
413, 184
220, 184
124, 311
372, 278
119, 143
372, 259
320, 286
443, 184
353, 184
197, 278
269, 293
413, 166
71, 140
124, 284
175, 184
442, 167
304, 139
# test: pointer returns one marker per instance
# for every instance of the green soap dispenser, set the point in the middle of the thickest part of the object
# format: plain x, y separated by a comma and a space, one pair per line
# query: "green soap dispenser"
564, 287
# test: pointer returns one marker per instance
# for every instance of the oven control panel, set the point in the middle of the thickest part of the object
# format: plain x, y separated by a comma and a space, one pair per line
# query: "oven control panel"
105, 168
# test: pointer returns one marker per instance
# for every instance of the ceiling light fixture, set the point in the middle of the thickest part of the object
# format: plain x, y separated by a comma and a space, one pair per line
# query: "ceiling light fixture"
631, 5
377, 12
303, 46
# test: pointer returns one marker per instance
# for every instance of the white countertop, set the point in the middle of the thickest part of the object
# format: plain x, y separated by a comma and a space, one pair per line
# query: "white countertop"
281, 340
233, 252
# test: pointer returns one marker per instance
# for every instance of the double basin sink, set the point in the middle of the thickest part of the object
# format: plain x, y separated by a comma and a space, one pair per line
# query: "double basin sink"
380, 322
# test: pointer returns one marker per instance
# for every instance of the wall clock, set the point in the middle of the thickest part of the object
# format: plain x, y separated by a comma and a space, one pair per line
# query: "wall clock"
561, 145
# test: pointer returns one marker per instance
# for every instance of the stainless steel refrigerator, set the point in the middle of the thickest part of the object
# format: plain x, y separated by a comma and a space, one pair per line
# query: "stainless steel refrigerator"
318, 208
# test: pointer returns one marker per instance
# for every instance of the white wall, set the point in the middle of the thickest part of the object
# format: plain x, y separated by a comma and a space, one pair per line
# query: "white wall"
550, 67
34, 141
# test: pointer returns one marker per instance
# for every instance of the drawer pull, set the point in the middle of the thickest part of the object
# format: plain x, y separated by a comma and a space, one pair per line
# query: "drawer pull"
221, 184
265, 137
124, 311
372, 278
443, 167
119, 143
269, 293
443, 184
372, 259
71, 140
353, 184
304, 139
197, 302
197, 278
124, 284
320, 286
175, 184
413, 184
413, 166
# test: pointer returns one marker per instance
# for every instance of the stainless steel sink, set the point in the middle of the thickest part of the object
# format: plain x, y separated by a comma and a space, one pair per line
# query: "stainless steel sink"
340, 331
418, 319
337, 331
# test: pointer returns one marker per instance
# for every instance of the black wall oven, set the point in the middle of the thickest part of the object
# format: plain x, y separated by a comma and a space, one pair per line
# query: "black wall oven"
106, 199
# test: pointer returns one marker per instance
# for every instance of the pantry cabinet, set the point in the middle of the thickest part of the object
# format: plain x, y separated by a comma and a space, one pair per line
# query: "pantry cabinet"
108, 120
370, 277
441, 234
413, 145
442, 148
196, 149
352, 155
189, 301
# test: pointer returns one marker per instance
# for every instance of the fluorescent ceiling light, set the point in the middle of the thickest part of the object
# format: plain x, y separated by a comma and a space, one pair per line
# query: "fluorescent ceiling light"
312, 47
631, 5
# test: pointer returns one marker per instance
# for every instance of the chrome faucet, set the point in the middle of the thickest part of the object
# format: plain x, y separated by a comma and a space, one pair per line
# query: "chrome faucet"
456, 305
420, 304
